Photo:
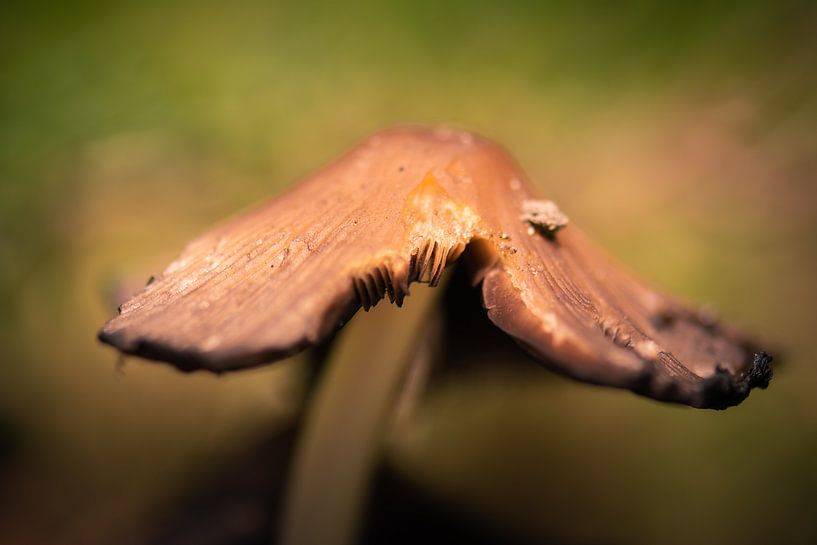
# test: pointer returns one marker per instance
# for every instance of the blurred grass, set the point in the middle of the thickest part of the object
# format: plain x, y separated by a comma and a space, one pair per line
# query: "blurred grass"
681, 135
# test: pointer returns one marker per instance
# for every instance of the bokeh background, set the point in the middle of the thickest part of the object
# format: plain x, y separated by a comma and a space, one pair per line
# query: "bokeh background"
682, 136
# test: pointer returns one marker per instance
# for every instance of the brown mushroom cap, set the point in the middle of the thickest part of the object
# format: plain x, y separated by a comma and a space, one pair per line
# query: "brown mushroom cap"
397, 210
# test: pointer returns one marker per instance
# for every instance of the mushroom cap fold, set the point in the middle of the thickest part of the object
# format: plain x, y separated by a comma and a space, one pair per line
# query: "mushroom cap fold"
398, 209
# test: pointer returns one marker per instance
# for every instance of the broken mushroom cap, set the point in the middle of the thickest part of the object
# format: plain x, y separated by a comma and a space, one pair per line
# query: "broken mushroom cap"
398, 209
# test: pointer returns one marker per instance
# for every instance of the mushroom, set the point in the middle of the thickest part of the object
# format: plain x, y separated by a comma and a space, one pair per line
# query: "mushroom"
399, 209
396, 210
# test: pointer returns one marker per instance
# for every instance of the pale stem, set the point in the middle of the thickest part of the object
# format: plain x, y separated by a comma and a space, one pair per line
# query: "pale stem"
346, 422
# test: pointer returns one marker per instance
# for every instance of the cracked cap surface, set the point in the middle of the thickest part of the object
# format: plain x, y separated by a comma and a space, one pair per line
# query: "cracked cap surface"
398, 209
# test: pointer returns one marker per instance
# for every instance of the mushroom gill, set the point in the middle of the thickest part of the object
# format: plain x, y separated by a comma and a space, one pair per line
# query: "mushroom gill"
398, 209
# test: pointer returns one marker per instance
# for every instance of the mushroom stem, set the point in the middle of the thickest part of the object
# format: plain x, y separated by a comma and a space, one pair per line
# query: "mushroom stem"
346, 422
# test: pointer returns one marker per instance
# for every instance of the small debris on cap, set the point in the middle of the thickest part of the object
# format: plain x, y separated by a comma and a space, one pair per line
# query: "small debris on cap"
544, 216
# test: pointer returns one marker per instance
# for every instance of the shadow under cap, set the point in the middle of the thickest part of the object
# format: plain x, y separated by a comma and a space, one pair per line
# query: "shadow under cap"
398, 209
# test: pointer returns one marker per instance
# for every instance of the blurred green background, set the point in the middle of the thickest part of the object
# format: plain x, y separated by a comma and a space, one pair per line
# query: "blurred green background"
683, 136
